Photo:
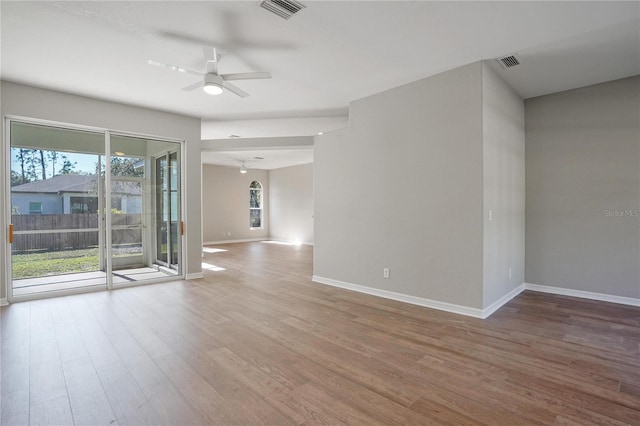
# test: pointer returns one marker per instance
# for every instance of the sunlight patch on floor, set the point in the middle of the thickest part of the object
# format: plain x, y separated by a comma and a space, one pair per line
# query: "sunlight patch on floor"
212, 250
210, 267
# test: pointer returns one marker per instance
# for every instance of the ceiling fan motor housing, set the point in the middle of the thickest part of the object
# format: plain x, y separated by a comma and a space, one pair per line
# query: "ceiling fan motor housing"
213, 79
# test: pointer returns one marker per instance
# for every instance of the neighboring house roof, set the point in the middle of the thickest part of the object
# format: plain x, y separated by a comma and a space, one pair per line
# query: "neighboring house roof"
74, 183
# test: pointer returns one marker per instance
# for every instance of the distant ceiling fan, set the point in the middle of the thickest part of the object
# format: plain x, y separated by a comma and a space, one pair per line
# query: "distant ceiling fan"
243, 165
212, 82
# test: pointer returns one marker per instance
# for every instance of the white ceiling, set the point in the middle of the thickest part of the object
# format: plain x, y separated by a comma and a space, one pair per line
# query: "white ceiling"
331, 53
260, 159
272, 127
259, 153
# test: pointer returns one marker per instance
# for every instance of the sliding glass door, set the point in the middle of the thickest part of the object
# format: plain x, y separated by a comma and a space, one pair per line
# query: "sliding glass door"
168, 210
90, 209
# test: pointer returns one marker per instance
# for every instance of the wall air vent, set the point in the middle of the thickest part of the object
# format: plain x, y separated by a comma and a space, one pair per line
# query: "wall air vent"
509, 61
283, 8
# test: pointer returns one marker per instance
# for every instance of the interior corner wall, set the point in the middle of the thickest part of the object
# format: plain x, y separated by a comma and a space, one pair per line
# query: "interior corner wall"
225, 203
583, 189
32, 102
291, 203
504, 187
401, 188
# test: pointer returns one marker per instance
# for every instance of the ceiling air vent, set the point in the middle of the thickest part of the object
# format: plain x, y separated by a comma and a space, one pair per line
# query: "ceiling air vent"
509, 61
283, 8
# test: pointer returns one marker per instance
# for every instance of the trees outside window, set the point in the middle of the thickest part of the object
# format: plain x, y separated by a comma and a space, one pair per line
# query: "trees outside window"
36, 164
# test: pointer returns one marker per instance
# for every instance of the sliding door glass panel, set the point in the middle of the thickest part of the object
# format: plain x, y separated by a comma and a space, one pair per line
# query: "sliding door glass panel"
127, 168
139, 252
168, 216
174, 209
162, 211
56, 209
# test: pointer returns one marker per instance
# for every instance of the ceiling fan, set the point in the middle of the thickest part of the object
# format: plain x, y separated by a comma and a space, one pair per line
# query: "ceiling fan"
212, 82
243, 165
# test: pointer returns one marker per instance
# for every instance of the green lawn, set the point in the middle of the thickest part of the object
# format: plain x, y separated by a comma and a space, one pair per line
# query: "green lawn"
54, 262
46, 263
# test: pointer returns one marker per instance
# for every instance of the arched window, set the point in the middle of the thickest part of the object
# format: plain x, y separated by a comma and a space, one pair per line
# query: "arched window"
255, 205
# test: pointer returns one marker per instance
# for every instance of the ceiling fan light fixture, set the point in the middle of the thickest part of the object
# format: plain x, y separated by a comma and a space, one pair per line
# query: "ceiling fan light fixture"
212, 89
212, 84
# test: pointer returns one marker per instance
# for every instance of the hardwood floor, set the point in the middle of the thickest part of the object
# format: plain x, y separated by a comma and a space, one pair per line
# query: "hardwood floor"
255, 342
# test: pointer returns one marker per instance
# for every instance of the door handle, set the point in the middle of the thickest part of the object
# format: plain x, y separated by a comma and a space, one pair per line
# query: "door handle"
181, 227
11, 233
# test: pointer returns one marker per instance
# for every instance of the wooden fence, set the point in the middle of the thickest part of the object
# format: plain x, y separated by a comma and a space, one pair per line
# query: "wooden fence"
65, 231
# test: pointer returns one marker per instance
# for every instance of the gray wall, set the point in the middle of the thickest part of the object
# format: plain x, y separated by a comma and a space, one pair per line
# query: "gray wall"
225, 203
291, 203
32, 102
583, 165
504, 186
402, 188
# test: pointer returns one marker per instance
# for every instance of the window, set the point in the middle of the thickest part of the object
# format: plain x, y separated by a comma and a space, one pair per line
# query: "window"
255, 205
35, 207
84, 204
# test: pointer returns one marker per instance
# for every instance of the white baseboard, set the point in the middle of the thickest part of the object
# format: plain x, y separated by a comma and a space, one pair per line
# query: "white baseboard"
246, 240
194, 276
474, 312
631, 301
486, 312
420, 301
4, 302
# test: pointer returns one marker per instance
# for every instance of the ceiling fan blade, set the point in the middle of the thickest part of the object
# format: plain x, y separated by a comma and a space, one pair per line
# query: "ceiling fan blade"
235, 89
194, 86
246, 76
173, 67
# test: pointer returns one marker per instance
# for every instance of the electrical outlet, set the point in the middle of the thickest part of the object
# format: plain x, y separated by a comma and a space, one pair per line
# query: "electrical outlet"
510, 273
490, 215
385, 272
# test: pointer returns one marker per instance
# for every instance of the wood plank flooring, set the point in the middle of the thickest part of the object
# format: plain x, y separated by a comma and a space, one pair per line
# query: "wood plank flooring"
256, 342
